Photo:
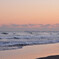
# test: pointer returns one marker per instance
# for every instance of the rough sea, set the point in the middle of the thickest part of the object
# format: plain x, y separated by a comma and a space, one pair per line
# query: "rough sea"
16, 40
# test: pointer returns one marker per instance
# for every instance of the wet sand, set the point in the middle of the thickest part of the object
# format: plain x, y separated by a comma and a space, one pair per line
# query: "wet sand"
31, 52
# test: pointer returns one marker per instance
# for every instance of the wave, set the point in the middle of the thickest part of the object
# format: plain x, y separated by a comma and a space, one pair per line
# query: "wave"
17, 39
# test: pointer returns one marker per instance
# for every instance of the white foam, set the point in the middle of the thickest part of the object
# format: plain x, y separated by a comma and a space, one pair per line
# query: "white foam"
13, 38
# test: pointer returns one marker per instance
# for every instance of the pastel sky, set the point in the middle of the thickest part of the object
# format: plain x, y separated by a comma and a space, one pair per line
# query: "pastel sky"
29, 12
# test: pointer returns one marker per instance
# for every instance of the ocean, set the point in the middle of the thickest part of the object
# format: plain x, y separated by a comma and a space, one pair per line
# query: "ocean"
16, 40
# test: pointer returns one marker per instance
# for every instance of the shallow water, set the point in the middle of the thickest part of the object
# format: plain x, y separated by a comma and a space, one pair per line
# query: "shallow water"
15, 40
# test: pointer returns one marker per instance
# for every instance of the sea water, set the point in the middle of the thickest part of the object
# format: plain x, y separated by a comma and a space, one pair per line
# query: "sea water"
15, 40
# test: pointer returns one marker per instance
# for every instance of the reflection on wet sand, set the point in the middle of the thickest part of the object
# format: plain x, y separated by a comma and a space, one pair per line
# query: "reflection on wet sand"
31, 52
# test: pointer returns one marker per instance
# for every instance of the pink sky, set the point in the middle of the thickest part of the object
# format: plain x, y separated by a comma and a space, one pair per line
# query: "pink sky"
29, 11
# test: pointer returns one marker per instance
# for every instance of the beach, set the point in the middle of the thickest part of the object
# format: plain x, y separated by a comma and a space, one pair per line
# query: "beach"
50, 57
29, 29
31, 52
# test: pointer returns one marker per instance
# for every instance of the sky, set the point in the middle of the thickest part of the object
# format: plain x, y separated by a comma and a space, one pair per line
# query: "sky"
21, 12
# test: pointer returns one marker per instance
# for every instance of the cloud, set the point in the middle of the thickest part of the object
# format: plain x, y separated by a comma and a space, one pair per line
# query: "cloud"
4, 26
40, 27
15, 25
32, 24
24, 25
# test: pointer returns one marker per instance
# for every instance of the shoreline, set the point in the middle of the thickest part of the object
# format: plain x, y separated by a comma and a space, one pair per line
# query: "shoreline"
24, 45
31, 52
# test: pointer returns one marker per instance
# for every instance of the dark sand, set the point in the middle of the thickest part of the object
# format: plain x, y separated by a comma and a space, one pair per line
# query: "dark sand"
50, 57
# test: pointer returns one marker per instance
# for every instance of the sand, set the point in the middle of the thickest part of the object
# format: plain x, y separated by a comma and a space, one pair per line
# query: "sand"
31, 52
50, 57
